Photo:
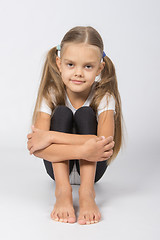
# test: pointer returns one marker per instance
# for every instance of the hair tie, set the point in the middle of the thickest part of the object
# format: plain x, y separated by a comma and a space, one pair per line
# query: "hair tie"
58, 47
103, 54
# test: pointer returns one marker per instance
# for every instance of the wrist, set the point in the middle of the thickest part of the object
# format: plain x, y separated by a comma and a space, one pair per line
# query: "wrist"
51, 137
82, 151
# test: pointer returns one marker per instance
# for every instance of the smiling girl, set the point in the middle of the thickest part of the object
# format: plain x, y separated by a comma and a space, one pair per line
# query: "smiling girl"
76, 118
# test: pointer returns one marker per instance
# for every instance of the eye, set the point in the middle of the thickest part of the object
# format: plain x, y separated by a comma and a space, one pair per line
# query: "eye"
69, 64
88, 67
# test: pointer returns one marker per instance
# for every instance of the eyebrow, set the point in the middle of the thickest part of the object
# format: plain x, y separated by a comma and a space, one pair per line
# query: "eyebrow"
89, 62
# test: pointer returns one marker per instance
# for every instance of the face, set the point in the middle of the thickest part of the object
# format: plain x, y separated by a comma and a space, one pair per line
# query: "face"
79, 65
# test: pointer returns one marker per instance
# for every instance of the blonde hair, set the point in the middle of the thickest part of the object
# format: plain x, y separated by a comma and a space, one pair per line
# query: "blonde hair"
51, 79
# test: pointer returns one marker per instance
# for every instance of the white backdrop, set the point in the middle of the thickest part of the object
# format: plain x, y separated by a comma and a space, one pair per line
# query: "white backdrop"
130, 31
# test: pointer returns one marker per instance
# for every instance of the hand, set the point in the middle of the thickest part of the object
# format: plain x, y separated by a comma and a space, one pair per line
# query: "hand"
38, 139
98, 149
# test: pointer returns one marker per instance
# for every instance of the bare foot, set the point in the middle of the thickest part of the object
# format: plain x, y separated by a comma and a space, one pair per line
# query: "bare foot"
63, 209
89, 212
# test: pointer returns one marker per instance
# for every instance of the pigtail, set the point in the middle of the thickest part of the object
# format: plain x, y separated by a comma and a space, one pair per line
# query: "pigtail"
56, 82
50, 82
108, 84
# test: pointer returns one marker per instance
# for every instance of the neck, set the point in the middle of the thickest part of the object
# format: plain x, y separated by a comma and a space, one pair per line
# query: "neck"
78, 99
79, 95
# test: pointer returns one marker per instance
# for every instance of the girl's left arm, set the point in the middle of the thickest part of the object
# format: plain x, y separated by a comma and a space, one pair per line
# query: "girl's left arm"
106, 124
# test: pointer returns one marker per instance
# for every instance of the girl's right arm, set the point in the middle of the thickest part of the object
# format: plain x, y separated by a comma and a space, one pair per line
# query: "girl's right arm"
43, 121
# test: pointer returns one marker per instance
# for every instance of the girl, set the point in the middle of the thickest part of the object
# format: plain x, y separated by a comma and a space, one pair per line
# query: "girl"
77, 115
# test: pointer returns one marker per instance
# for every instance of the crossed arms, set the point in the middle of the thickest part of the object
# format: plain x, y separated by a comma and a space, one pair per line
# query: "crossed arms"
57, 146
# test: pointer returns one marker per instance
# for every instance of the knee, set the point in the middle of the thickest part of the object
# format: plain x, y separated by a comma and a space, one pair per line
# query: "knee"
85, 121
86, 112
62, 111
62, 116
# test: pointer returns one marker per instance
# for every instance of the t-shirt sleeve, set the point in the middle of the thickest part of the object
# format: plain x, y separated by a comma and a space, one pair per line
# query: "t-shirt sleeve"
106, 103
44, 106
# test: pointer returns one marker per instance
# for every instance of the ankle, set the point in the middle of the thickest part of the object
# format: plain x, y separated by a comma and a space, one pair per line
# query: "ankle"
86, 190
63, 188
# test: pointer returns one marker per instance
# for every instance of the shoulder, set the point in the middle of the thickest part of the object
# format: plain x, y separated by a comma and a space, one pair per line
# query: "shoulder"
108, 97
44, 105
52, 94
107, 102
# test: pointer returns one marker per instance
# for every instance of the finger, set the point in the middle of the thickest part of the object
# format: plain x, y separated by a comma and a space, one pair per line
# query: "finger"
29, 146
29, 136
105, 159
102, 137
108, 140
109, 146
99, 139
108, 154
34, 129
32, 150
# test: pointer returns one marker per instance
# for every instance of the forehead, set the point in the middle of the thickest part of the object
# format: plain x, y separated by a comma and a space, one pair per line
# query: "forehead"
81, 50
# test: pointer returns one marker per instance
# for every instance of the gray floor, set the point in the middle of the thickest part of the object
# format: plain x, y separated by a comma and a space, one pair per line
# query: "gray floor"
128, 197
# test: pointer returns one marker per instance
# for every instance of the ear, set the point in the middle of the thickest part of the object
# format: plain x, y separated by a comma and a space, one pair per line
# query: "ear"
58, 62
101, 67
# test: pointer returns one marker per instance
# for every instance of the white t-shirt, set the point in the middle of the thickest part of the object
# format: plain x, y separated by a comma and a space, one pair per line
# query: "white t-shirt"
101, 108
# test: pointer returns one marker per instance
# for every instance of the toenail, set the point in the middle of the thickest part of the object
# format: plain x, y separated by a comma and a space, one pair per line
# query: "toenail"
92, 221
87, 222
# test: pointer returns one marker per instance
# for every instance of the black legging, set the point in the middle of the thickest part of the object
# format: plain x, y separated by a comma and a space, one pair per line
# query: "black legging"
84, 122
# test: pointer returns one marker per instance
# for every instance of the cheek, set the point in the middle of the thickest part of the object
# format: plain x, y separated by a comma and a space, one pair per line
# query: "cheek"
65, 74
90, 76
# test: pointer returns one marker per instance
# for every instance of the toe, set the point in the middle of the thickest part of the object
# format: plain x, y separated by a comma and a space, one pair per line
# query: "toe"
60, 215
65, 216
52, 214
96, 218
88, 219
71, 217
99, 216
55, 216
81, 220
92, 218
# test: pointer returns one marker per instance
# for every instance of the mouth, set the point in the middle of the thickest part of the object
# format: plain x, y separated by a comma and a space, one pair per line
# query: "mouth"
77, 81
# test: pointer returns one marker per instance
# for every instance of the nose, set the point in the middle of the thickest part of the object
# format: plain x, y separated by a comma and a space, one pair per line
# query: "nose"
78, 72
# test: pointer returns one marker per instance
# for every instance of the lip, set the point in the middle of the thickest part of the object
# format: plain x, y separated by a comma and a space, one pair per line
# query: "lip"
77, 81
